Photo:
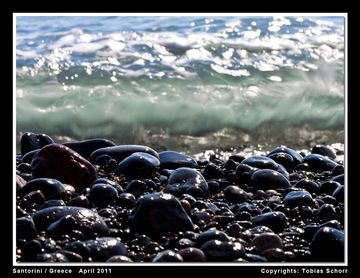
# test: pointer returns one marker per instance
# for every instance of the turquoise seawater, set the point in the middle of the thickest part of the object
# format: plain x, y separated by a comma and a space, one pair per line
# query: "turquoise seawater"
182, 82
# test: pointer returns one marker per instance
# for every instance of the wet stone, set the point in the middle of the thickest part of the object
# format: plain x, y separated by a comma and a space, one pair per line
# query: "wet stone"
324, 150
234, 194
102, 195
339, 194
64, 225
326, 213
86, 147
298, 198
297, 158
136, 187
261, 162
255, 258
266, 241
219, 251
284, 159
79, 201
167, 256
230, 165
187, 181
308, 185
28, 157
311, 229
244, 173
71, 256
119, 259
87, 221
30, 141
59, 162
52, 203
329, 187
327, 245
276, 221
51, 188
192, 254
52, 258
119, 153
104, 248
274, 255
212, 171
174, 160
269, 179
157, 214
126, 200
25, 228
138, 165
319, 163
211, 235
339, 179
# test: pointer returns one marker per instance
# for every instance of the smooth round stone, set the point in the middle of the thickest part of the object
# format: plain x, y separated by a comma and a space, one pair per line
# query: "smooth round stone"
329, 187
102, 249
30, 141
167, 256
308, 185
298, 198
327, 245
119, 259
212, 171
25, 228
311, 229
136, 187
119, 153
64, 225
338, 170
51, 188
244, 173
230, 165
104, 181
102, 195
274, 255
52, 258
174, 160
71, 256
86, 147
234, 194
52, 203
297, 158
339, 179
137, 165
219, 251
266, 241
339, 194
28, 157
324, 150
87, 221
326, 213
261, 162
255, 258
192, 254
212, 234
79, 201
319, 163
126, 200
187, 181
158, 214
284, 159
257, 230
59, 162
276, 221
269, 179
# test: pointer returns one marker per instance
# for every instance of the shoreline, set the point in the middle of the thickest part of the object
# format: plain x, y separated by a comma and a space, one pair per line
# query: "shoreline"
145, 205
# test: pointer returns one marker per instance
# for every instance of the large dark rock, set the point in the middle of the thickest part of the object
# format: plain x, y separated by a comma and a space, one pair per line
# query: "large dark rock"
269, 179
86, 147
276, 221
324, 150
158, 214
59, 162
297, 158
174, 160
219, 251
121, 152
261, 162
51, 188
319, 163
327, 245
298, 198
102, 249
187, 181
138, 165
30, 141
86, 221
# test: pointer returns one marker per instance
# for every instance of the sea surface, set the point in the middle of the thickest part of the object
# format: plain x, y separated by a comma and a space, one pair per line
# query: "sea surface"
187, 83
